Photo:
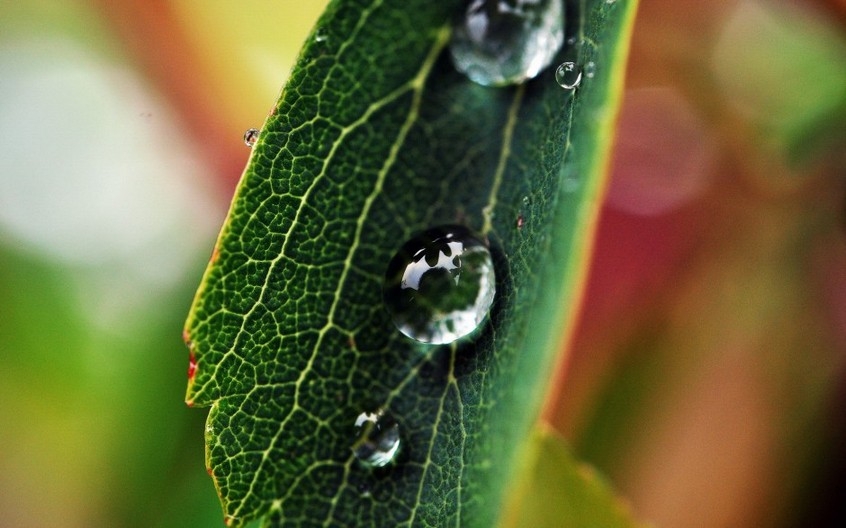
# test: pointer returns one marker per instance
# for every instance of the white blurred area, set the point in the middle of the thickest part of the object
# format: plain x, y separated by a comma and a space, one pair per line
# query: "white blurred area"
94, 174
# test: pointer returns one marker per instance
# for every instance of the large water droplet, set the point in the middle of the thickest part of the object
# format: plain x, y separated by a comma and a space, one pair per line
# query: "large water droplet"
568, 76
250, 136
378, 438
440, 285
500, 42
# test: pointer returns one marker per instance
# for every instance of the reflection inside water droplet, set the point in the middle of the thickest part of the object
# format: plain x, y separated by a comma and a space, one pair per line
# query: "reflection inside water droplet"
440, 285
568, 76
378, 438
250, 136
499, 42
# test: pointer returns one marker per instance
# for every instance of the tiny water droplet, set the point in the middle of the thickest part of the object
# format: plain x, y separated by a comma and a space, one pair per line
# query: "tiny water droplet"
250, 136
568, 76
320, 35
570, 182
526, 200
590, 69
377, 438
520, 222
365, 490
440, 285
499, 42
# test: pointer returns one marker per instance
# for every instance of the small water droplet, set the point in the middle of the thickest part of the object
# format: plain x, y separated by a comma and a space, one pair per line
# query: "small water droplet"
377, 438
590, 69
440, 285
250, 136
500, 42
320, 35
568, 76
526, 200
365, 490
520, 221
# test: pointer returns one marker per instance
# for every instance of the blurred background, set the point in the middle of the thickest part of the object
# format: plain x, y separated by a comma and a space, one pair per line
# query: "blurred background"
707, 377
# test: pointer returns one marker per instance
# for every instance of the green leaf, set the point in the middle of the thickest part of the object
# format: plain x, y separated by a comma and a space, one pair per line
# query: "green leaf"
556, 491
377, 137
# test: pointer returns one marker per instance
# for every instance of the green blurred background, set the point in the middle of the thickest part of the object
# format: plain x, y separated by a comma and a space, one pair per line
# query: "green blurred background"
122, 128
706, 377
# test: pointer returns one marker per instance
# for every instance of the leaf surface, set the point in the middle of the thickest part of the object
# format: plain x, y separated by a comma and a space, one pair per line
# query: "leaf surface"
376, 137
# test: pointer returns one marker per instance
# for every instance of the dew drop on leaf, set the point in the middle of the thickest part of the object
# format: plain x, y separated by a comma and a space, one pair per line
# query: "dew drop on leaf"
500, 42
590, 69
378, 438
250, 136
568, 76
365, 491
440, 285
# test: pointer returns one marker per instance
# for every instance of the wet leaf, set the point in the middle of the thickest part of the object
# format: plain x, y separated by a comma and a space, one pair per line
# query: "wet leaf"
376, 137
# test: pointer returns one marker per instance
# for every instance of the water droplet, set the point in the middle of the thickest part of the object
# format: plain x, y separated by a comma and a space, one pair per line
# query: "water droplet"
250, 136
568, 76
526, 200
365, 490
320, 35
440, 285
378, 438
500, 42
520, 222
570, 183
590, 69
